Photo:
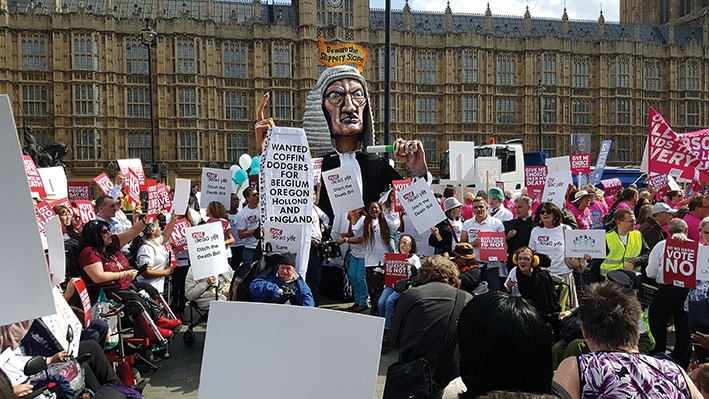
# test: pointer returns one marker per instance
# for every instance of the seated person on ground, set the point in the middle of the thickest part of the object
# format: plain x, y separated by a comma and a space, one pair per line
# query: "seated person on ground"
282, 284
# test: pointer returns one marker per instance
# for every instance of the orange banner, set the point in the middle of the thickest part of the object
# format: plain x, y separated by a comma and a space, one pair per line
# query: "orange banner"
342, 54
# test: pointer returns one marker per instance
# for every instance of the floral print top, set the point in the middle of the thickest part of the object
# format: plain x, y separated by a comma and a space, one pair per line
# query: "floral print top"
612, 375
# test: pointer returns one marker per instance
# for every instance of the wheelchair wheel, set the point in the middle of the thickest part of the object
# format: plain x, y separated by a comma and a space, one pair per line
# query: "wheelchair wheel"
188, 338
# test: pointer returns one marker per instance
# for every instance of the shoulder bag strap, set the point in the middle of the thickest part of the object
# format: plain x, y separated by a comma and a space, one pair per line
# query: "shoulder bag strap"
450, 226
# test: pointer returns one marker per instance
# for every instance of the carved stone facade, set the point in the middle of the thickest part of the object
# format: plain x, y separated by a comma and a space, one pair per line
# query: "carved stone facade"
78, 74
660, 12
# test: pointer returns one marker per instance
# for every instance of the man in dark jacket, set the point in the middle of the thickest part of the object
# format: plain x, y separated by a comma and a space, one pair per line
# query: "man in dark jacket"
519, 229
653, 232
423, 324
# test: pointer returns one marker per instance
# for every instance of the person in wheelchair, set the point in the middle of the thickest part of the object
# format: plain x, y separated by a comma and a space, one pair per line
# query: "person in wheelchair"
103, 265
202, 292
534, 283
282, 284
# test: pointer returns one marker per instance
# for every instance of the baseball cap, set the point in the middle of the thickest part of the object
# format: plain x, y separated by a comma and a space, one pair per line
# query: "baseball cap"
662, 207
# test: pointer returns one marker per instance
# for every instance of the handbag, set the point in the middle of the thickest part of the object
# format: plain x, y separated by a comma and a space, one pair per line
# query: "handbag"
409, 380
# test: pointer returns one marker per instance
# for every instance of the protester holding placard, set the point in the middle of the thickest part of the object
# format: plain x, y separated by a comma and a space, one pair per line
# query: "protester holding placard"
102, 261
248, 222
669, 300
446, 234
387, 301
548, 239
372, 238
484, 222
216, 212
626, 247
148, 249
70, 231
579, 201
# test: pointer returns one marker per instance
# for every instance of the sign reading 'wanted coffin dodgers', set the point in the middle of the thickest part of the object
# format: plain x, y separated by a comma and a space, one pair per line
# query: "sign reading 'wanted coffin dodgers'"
286, 184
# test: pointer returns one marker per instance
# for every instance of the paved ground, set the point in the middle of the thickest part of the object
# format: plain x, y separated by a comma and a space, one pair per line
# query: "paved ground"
178, 376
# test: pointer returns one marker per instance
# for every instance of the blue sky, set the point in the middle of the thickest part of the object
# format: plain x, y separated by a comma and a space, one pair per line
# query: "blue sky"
577, 9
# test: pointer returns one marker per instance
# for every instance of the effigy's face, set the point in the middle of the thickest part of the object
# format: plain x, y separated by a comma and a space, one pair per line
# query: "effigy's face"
345, 101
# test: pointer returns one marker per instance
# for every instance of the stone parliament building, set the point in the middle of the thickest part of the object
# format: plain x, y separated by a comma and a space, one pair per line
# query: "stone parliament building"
77, 72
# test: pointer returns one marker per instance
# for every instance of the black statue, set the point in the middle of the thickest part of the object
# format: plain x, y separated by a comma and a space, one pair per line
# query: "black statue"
43, 156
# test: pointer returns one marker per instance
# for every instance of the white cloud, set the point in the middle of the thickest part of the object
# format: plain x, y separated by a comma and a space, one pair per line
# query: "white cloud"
576, 9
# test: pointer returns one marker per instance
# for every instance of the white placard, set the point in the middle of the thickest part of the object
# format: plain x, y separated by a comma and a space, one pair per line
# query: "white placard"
556, 187
419, 203
216, 186
558, 164
58, 324
207, 250
25, 289
55, 244
182, 196
461, 160
703, 263
312, 354
342, 187
487, 172
54, 180
585, 242
286, 184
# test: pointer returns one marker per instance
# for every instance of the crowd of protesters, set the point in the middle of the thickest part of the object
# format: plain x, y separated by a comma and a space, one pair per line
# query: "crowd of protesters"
481, 325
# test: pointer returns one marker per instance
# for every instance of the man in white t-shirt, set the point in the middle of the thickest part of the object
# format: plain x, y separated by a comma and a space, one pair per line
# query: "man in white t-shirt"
497, 206
481, 221
237, 248
247, 223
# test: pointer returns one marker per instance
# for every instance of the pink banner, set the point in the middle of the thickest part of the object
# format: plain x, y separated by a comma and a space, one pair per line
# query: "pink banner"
33, 178
676, 154
178, 239
395, 268
535, 178
580, 163
679, 263
86, 211
104, 183
660, 183
493, 246
612, 186
79, 190
500, 185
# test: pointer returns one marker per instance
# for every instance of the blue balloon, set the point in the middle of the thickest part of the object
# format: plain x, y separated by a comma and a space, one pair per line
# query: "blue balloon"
240, 176
255, 162
254, 171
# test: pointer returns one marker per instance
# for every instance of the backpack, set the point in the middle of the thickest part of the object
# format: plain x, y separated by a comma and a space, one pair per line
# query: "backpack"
608, 222
245, 274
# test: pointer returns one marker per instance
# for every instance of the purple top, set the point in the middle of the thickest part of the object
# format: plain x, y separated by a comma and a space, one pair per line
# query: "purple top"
612, 375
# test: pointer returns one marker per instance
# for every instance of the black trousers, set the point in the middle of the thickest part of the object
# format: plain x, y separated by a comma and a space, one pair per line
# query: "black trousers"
179, 275
314, 274
669, 302
98, 369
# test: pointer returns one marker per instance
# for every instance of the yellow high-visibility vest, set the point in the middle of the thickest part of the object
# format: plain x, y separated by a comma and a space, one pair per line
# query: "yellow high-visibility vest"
618, 254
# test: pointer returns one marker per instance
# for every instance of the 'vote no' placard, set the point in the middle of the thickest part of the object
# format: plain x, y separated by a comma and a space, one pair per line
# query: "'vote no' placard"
679, 264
